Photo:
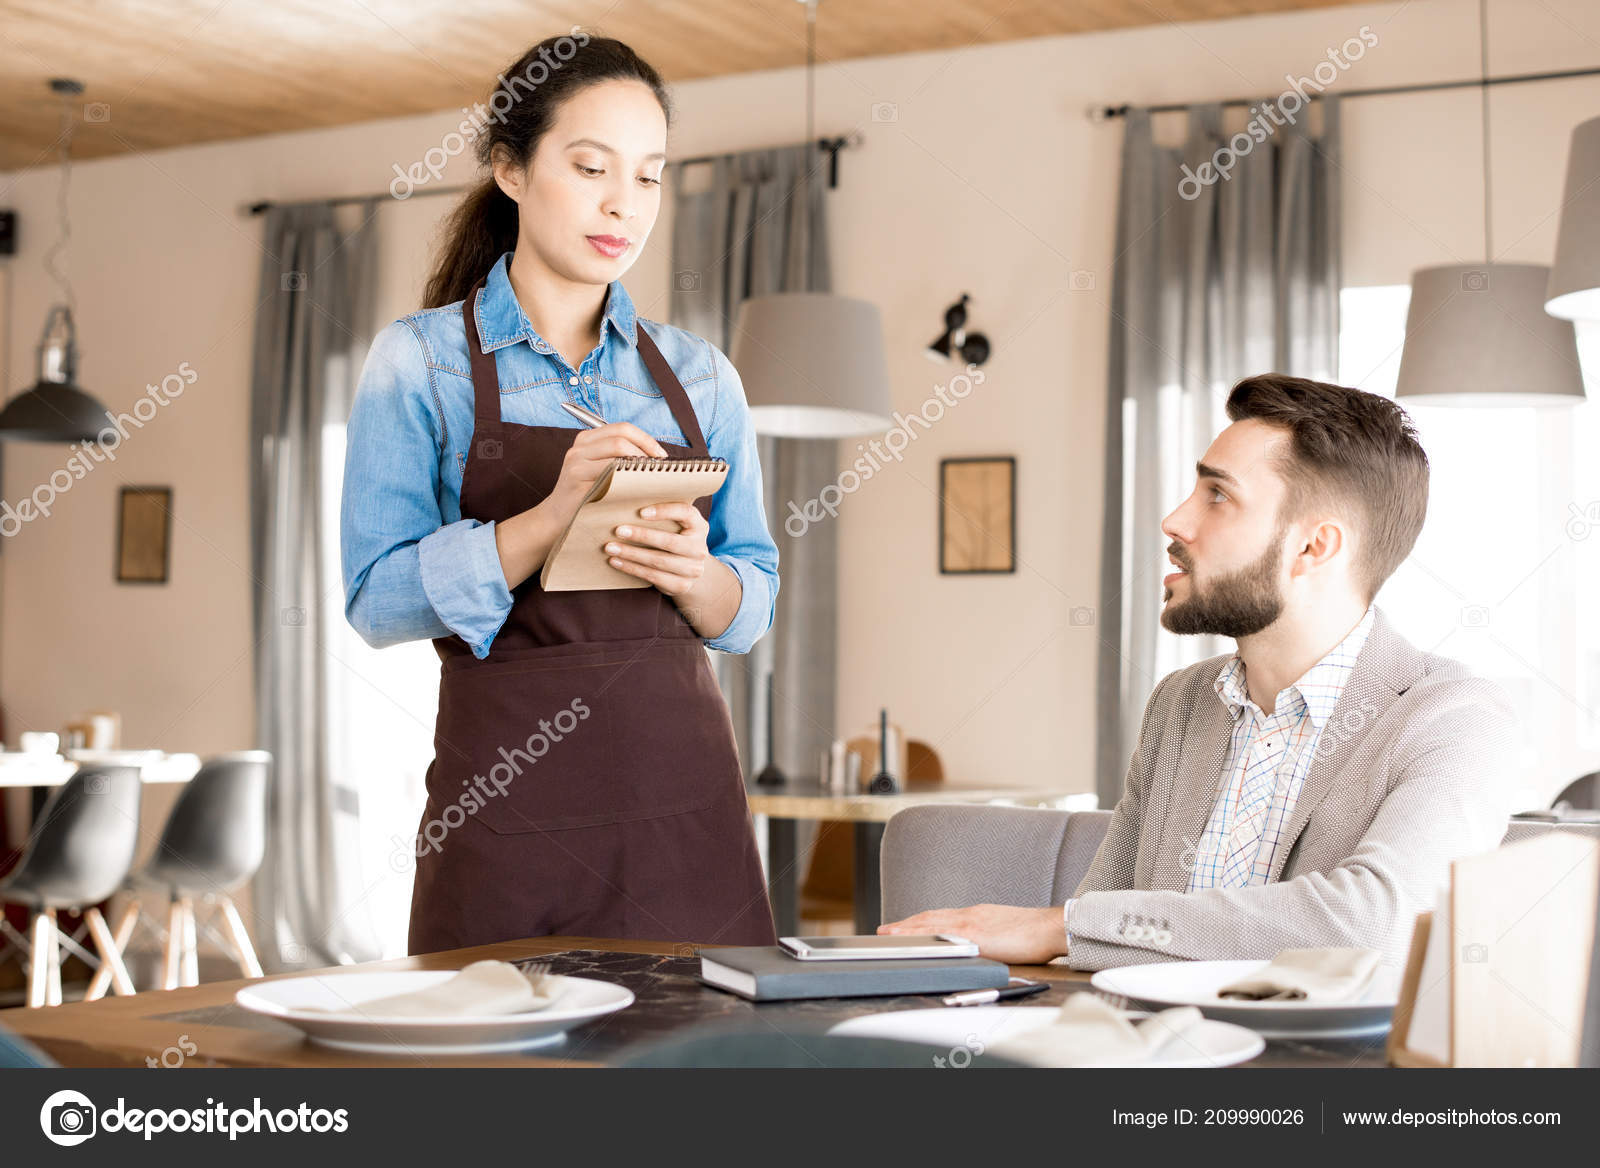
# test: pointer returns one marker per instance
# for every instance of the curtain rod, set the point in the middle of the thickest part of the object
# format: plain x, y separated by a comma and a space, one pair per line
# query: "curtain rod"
1101, 113
831, 145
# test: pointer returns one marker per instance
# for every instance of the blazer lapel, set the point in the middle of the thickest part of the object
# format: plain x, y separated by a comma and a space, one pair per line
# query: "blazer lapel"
1194, 790
1386, 667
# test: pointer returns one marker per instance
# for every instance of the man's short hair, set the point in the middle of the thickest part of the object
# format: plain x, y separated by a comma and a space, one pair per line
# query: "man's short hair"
1350, 447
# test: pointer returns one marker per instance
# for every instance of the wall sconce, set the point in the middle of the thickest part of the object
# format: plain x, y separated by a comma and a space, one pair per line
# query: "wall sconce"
973, 347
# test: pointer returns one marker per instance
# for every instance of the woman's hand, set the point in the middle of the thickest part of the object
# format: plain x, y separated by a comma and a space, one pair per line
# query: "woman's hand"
589, 455
707, 592
673, 561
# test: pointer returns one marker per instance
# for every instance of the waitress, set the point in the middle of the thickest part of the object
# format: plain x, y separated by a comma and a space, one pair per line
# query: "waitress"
586, 779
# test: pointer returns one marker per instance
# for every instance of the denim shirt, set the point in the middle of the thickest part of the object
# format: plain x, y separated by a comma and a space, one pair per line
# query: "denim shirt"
413, 567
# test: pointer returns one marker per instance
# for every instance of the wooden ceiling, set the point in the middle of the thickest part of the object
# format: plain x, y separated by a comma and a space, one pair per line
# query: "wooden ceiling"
162, 73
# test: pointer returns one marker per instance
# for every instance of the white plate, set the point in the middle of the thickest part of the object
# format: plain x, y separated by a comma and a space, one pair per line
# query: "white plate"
286, 999
1195, 983
972, 1029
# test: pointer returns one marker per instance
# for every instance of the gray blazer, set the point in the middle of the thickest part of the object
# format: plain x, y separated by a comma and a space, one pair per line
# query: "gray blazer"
1411, 772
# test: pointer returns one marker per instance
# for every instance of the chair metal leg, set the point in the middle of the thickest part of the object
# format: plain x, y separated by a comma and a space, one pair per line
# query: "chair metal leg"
15, 942
191, 946
44, 923
110, 956
72, 943
54, 988
171, 950
244, 951
119, 944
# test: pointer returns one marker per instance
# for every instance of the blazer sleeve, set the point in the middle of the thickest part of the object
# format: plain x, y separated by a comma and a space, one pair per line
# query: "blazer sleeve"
1114, 862
1448, 798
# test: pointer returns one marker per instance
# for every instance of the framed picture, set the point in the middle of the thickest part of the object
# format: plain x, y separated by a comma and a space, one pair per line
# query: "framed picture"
144, 529
977, 515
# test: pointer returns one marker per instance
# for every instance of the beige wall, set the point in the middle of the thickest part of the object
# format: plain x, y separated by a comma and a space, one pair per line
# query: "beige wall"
989, 180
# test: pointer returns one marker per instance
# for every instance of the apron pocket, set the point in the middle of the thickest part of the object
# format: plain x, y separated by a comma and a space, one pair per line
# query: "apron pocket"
590, 739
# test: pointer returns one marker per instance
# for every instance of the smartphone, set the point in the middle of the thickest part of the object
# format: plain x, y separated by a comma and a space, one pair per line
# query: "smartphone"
876, 946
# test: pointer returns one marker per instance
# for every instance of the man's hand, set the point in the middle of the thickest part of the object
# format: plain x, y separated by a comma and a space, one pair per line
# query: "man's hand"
1017, 936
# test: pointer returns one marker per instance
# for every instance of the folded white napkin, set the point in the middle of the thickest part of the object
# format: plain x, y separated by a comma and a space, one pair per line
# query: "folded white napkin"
484, 987
1311, 975
1090, 1031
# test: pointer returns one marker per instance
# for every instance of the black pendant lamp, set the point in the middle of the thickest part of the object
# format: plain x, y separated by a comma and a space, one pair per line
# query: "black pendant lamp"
56, 409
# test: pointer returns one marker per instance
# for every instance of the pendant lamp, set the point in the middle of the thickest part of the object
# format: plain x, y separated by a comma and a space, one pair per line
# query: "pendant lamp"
1574, 289
56, 408
1479, 335
812, 363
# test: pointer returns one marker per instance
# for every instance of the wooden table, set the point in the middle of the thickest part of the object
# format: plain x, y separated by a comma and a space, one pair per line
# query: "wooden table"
28, 769
200, 1025
784, 804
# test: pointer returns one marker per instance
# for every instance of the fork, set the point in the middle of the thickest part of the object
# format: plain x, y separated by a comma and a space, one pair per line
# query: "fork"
537, 970
1119, 1002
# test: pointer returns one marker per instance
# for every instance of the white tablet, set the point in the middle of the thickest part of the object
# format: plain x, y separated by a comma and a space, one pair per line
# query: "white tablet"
878, 946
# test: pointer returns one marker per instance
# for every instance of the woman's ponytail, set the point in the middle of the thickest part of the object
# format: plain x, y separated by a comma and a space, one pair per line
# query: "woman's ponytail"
522, 107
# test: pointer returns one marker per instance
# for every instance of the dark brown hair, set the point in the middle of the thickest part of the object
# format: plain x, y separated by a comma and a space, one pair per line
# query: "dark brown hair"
1354, 447
522, 108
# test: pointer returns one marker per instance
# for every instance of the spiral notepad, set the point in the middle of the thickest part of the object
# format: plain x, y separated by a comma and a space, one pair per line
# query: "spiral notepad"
578, 559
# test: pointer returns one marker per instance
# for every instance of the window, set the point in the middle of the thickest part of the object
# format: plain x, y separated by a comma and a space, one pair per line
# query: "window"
1506, 571
381, 707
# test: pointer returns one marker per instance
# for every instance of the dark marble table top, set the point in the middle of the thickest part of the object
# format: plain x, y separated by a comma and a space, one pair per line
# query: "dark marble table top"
669, 1000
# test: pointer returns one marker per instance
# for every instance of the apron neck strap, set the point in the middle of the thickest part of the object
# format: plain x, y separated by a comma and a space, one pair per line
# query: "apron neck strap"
485, 379
672, 389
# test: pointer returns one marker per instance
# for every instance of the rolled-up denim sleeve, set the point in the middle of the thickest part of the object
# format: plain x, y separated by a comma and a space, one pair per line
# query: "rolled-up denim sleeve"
739, 535
408, 575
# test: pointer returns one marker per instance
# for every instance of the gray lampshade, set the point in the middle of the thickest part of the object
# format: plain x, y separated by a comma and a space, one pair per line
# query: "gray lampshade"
53, 413
55, 409
1574, 289
1479, 335
812, 365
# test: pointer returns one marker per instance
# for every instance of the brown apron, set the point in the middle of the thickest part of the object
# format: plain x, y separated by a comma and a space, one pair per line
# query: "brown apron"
585, 780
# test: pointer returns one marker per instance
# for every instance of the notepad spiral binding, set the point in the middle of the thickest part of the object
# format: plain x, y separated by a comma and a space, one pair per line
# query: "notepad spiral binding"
677, 464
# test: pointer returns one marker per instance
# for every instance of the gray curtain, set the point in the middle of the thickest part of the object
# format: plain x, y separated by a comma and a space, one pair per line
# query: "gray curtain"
1242, 278
312, 333
757, 226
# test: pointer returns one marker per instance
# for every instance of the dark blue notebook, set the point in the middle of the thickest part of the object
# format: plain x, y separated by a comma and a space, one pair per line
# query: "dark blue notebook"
765, 973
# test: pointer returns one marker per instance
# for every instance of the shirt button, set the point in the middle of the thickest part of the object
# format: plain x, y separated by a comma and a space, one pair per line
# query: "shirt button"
587, 379
572, 381
541, 346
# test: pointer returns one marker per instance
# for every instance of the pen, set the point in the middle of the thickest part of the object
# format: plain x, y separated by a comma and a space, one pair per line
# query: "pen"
1018, 987
587, 417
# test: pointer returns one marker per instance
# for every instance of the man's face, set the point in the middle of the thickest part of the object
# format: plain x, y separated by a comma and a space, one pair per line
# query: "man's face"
1228, 539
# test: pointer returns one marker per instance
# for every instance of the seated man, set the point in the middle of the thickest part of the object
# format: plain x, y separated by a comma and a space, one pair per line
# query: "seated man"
1312, 788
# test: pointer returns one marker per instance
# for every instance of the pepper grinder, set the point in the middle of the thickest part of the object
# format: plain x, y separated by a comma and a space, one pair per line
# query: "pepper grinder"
771, 775
884, 782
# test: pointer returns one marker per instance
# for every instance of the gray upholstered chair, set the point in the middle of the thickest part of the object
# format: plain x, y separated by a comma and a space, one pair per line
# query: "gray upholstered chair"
79, 850
946, 856
213, 842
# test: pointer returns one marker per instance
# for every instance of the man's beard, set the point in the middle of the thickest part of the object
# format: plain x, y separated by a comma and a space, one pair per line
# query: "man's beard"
1236, 605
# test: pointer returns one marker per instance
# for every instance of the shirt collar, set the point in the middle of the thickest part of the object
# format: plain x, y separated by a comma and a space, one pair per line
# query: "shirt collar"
501, 320
1319, 687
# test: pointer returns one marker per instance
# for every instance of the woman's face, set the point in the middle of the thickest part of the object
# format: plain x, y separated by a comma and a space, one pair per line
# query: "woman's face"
592, 191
